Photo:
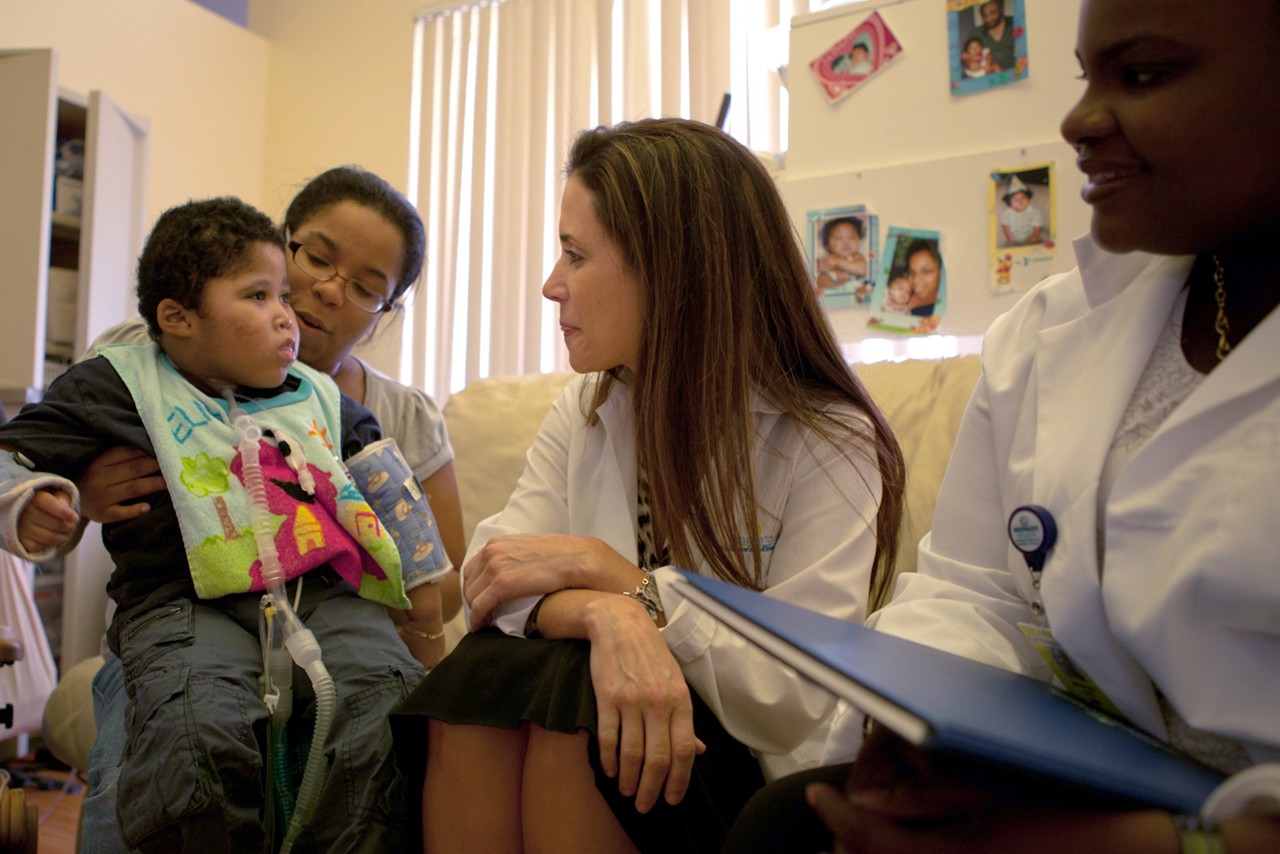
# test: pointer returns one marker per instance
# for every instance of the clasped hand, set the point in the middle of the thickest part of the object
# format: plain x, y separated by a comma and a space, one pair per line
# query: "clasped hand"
516, 566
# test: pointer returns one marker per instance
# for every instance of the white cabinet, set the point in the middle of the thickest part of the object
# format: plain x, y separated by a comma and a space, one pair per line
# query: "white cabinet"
102, 246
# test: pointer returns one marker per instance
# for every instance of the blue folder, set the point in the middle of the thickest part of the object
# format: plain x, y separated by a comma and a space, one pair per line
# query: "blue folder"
943, 702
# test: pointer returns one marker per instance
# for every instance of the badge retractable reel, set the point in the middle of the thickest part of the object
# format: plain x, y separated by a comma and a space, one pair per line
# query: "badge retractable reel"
1033, 532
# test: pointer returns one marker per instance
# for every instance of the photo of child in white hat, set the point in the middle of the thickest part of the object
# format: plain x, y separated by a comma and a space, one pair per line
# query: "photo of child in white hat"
1022, 229
1020, 223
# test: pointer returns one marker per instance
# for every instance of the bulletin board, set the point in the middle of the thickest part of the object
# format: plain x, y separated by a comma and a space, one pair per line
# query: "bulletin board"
918, 156
951, 196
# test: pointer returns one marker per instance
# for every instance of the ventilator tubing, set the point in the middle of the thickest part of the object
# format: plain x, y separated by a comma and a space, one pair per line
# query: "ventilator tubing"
298, 640
277, 694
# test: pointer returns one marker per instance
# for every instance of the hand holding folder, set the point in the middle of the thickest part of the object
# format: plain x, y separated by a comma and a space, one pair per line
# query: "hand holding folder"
1011, 726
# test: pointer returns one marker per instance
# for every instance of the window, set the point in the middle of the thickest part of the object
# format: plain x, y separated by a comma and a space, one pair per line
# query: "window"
500, 89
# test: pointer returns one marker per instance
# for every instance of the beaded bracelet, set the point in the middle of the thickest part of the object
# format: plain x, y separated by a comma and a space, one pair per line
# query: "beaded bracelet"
421, 634
1197, 836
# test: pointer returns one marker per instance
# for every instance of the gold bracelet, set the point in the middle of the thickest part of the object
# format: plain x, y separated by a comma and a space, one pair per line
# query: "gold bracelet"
424, 635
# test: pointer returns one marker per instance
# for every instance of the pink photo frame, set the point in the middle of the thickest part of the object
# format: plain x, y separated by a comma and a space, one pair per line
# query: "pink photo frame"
865, 51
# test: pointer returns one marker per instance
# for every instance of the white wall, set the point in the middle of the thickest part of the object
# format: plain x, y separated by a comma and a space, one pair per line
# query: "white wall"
248, 112
199, 81
316, 83
340, 86
918, 156
339, 93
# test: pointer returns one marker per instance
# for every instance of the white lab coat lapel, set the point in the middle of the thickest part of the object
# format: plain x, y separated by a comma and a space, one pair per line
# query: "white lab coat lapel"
1254, 363
603, 502
1158, 477
1086, 368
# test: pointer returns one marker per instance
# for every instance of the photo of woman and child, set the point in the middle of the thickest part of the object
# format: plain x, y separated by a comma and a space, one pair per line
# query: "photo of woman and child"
914, 294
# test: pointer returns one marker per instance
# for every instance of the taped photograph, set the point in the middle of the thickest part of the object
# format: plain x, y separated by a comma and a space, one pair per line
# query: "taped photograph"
912, 293
988, 44
842, 244
865, 51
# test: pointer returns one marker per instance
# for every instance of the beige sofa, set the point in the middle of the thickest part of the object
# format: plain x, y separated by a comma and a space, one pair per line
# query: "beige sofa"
492, 422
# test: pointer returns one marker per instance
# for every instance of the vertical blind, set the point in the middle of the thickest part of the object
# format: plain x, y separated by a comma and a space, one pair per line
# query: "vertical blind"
500, 90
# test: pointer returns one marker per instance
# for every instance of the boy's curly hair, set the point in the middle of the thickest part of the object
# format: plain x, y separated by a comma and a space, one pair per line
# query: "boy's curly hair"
193, 243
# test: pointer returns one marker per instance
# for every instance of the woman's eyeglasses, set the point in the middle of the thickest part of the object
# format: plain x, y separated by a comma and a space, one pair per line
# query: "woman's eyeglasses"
321, 269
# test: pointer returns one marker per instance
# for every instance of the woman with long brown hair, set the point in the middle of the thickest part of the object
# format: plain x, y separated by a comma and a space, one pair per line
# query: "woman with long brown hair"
715, 428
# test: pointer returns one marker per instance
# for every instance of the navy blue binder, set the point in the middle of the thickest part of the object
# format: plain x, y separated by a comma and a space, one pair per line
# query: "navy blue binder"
939, 701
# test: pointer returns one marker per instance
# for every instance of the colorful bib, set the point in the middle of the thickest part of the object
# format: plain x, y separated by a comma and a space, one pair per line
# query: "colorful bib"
199, 457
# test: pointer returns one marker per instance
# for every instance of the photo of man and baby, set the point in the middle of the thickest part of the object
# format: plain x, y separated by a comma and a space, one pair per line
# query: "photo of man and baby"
988, 44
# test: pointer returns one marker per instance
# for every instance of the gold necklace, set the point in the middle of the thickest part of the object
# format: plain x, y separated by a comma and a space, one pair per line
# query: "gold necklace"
1220, 297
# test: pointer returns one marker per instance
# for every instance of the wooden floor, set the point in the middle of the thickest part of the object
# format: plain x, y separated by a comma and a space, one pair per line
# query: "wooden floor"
59, 814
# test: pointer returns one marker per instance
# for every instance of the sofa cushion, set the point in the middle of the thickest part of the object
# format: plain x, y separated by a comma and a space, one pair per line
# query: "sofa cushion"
923, 401
491, 424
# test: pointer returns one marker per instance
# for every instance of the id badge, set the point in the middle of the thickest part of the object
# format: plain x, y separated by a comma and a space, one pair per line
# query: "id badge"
1076, 682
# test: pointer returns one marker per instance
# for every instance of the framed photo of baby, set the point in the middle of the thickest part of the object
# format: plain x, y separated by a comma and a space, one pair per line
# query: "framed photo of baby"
911, 295
842, 243
987, 42
862, 53
1021, 225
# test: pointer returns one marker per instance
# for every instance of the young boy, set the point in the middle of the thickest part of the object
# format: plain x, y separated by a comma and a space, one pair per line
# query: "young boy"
974, 59
897, 296
844, 262
188, 580
1020, 222
856, 61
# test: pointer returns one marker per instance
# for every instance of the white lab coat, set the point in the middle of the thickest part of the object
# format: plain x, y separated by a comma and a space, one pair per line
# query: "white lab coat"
1190, 596
817, 529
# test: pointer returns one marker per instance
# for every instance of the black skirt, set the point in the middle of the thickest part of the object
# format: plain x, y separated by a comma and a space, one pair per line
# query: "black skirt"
492, 679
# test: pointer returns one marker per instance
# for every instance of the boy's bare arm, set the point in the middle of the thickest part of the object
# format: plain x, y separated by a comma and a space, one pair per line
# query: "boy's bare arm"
422, 626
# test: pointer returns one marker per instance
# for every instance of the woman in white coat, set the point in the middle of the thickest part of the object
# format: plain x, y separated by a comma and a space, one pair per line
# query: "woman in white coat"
1137, 401
716, 428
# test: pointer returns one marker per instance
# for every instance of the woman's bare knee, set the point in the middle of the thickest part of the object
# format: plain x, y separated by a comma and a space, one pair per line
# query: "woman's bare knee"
562, 808
472, 792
